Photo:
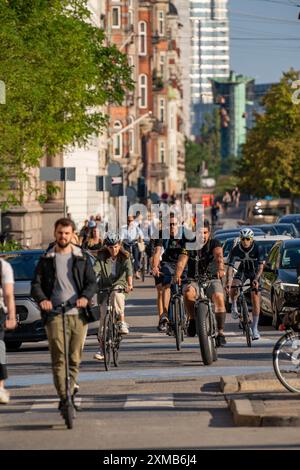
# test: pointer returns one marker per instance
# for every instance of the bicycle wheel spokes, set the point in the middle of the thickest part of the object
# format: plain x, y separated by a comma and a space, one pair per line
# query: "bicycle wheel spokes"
108, 340
116, 345
246, 323
286, 361
177, 323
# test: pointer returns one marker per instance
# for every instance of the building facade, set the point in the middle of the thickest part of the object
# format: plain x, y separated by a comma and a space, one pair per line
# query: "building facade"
209, 57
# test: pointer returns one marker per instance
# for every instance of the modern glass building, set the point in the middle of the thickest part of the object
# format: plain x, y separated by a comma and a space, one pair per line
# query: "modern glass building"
209, 56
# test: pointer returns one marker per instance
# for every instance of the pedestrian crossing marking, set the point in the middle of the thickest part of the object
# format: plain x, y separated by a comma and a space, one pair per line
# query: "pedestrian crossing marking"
149, 401
46, 404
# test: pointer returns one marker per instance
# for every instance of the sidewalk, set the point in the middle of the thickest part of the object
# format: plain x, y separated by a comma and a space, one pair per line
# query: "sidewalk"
260, 400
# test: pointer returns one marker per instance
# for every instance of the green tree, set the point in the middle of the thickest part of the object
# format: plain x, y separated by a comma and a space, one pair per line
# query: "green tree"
58, 71
270, 162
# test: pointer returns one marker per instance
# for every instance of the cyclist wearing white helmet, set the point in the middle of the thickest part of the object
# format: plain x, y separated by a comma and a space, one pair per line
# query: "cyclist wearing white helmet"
251, 265
114, 268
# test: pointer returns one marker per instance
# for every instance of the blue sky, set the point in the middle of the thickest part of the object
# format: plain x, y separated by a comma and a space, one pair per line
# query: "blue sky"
271, 32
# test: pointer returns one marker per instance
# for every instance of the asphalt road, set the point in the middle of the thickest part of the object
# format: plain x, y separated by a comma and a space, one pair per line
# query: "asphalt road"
158, 398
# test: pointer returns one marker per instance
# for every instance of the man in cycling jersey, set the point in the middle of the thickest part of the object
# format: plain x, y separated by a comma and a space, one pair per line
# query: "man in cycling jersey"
165, 257
114, 268
210, 263
251, 259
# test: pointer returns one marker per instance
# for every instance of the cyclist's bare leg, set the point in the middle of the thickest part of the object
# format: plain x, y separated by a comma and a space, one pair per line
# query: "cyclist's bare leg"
220, 310
235, 292
255, 299
159, 300
190, 296
166, 296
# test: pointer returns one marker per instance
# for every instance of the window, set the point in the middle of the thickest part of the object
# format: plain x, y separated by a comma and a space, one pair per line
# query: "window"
130, 18
143, 91
142, 38
117, 140
162, 109
161, 152
162, 64
131, 136
161, 23
116, 17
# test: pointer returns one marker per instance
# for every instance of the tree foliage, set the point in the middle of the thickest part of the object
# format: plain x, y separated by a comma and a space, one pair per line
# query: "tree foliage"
270, 162
58, 72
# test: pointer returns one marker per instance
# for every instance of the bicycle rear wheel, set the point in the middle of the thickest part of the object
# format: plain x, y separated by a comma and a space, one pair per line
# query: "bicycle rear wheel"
108, 340
286, 361
246, 324
203, 329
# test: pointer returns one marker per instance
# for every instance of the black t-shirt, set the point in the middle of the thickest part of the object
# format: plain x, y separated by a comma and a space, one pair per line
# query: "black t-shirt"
206, 259
249, 258
173, 248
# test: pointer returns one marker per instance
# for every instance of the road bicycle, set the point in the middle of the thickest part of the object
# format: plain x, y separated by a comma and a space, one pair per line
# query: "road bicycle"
286, 357
242, 306
177, 315
111, 330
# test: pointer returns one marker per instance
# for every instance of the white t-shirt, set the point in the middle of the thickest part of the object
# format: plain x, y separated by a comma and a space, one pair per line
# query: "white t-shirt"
7, 277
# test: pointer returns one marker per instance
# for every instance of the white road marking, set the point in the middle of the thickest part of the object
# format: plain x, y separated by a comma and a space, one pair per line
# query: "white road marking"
44, 404
149, 401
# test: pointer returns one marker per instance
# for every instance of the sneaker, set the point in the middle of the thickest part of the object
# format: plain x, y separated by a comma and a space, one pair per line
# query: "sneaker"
255, 335
99, 356
123, 328
162, 325
220, 341
76, 389
4, 396
234, 312
191, 328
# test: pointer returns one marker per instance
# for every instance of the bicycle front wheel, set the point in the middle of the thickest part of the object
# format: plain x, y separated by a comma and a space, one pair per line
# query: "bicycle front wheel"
108, 340
116, 344
246, 324
286, 361
203, 329
177, 323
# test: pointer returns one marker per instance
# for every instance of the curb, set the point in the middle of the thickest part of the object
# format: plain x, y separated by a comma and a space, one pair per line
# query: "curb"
242, 383
254, 414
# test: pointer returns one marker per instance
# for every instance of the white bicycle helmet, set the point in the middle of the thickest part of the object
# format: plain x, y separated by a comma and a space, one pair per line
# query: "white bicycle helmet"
246, 233
111, 239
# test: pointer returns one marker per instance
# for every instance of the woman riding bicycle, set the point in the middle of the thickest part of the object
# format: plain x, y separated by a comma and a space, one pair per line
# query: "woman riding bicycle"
114, 269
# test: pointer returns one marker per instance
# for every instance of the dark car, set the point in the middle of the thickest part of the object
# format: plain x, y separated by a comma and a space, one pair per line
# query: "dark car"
268, 229
30, 327
290, 219
286, 229
222, 236
280, 289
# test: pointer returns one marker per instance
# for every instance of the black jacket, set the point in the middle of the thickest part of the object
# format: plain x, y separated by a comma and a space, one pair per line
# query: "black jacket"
45, 275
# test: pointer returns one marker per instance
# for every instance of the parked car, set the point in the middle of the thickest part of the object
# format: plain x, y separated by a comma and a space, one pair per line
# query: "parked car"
268, 229
223, 236
280, 289
235, 230
290, 219
286, 229
30, 327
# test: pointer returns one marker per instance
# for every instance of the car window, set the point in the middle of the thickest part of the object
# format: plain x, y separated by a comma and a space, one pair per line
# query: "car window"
273, 257
23, 265
266, 246
290, 258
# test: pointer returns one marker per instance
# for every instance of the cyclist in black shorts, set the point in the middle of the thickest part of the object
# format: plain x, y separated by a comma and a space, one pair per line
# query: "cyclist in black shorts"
251, 259
166, 254
211, 263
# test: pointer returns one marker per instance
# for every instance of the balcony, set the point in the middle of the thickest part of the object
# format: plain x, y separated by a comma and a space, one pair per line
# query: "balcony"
159, 127
159, 170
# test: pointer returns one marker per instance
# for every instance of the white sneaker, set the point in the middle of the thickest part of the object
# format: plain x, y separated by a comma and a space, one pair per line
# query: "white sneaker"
124, 330
99, 355
4, 396
255, 335
234, 312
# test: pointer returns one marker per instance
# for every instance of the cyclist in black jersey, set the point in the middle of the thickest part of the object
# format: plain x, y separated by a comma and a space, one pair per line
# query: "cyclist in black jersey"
251, 265
165, 257
211, 263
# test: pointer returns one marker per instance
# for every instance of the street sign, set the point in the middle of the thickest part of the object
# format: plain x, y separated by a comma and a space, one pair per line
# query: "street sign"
116, 180
103, 183
48, 173
114, 169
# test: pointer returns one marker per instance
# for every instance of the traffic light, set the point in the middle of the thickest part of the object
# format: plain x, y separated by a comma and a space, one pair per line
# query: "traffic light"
141, 188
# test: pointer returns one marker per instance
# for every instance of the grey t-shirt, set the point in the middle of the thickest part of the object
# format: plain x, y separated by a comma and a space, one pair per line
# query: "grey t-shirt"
64, 287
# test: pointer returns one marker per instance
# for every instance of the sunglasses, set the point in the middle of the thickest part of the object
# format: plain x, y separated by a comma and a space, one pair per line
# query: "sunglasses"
172, 224
246, 238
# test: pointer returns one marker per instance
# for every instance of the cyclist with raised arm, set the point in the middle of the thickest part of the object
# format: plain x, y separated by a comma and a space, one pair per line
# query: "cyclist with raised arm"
211, 263
251, 265
114, 269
